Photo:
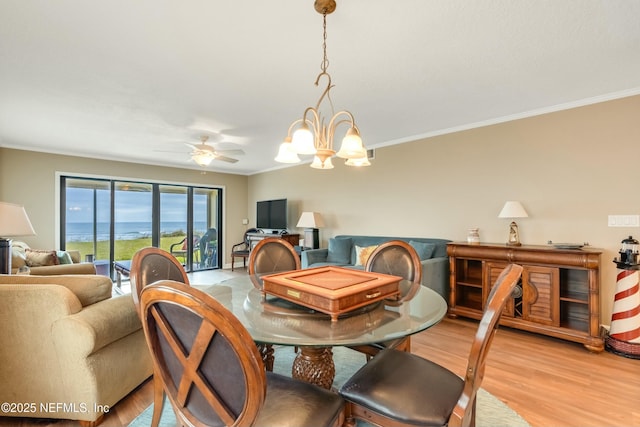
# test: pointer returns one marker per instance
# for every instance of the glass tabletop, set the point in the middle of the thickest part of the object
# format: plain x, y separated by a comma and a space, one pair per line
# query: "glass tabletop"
276, 321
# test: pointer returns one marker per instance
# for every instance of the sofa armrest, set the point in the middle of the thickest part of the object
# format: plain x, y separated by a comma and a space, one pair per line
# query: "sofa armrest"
87, 288
312, 256
50, 270
97, 325
435, 275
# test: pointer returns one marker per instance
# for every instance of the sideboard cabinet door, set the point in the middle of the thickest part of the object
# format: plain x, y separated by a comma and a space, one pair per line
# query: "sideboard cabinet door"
540, 301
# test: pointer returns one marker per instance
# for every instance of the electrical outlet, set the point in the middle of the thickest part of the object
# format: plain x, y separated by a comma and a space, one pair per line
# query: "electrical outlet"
624, 221
245, 221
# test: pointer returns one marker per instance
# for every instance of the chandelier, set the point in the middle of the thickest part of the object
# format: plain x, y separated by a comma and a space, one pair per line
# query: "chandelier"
313, 135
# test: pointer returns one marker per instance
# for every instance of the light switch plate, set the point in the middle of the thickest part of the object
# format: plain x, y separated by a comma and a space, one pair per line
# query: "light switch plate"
624, 221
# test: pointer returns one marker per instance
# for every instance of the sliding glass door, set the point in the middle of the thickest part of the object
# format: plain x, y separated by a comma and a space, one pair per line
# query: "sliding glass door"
133, 218
109, 220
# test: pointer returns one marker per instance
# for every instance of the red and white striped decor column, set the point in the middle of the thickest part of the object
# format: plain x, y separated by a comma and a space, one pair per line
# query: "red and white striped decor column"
624, 334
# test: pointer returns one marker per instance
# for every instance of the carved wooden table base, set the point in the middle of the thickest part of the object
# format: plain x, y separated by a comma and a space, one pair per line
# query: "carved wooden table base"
314, 365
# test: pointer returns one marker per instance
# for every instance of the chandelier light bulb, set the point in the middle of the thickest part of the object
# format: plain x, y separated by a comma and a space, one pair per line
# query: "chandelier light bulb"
303, 140
362, 161
286, 153
352, 147
319, 164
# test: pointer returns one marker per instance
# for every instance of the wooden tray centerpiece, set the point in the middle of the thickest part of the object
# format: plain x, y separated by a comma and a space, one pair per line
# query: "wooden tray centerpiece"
331, 290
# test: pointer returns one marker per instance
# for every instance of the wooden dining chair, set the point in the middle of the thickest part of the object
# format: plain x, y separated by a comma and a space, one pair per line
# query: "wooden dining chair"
149, 265
397, 258
211, 369
401, 389
272, 255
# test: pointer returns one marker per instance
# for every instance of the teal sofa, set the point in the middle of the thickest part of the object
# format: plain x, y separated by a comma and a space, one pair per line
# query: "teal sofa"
342, 252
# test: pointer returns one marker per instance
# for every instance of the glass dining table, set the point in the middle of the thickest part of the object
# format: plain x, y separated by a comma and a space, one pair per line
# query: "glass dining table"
274, 321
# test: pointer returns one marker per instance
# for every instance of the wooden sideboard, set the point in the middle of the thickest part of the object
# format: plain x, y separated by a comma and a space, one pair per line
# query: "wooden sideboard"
254, 238
558, 295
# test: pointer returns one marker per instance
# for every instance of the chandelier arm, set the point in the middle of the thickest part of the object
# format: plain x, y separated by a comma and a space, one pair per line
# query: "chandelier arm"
334, 122
326, 92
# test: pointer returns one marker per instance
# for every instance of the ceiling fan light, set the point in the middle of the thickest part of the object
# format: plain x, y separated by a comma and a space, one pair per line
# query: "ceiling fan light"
286, 153
202, 159
352, 147
303, 140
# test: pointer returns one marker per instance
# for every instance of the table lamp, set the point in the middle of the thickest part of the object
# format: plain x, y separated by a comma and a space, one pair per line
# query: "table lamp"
513, 209
311, 221
13, 222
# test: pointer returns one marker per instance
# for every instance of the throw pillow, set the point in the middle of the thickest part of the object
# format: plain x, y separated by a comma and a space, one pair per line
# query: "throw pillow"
18, 257
64, 257
424, 250
37, 258
339, 251
363, 254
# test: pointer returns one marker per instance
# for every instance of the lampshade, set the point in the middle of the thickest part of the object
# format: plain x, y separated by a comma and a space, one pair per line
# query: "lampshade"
14, 221
319, 164
363, 161
286, 153
512, 209
310, 220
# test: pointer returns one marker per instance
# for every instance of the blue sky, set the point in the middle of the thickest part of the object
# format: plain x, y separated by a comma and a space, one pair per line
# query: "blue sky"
131, 206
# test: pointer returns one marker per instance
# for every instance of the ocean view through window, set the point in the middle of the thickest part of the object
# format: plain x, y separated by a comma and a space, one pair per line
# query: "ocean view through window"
108, 220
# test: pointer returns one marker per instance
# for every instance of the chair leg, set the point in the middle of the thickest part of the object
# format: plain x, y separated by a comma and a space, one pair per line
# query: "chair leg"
267, 353
158, 401
232, 261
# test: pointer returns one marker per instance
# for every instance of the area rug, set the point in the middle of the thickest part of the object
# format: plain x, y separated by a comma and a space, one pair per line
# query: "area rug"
491, 412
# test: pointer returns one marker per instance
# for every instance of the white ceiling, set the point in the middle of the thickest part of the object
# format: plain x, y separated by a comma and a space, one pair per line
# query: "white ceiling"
136, 79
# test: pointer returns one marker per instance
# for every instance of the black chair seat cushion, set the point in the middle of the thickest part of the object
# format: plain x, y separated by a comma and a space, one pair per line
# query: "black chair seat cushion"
241, 253
405, 387
292, 403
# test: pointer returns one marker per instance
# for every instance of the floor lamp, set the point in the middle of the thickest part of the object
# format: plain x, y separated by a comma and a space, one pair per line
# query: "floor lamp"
311, 221
13, 222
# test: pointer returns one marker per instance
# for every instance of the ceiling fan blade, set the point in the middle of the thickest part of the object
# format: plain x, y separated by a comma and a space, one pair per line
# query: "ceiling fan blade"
234, 152
225, 159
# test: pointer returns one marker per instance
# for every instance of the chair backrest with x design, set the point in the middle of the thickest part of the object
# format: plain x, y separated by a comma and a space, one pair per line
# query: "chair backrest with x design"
209, 365
272, 255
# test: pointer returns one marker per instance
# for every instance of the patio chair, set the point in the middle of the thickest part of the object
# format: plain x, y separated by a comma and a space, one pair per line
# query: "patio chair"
209, 249
179, 249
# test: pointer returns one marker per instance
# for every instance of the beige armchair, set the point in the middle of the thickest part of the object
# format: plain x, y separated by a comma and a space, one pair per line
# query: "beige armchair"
67, 348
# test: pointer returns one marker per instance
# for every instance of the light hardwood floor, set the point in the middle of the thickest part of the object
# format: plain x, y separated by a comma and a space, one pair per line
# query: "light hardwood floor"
549, 382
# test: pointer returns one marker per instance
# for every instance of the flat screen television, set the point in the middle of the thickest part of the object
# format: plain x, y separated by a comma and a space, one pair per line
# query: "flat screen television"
272, 214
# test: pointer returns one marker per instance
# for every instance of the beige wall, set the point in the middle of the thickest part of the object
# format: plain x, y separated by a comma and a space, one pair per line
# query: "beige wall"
569, 169
28, 178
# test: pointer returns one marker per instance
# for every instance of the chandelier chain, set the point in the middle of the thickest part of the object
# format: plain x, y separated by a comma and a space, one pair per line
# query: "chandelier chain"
325, 59
323, 67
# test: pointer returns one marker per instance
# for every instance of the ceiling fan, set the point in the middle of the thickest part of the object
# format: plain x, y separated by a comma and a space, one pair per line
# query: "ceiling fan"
203, 154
